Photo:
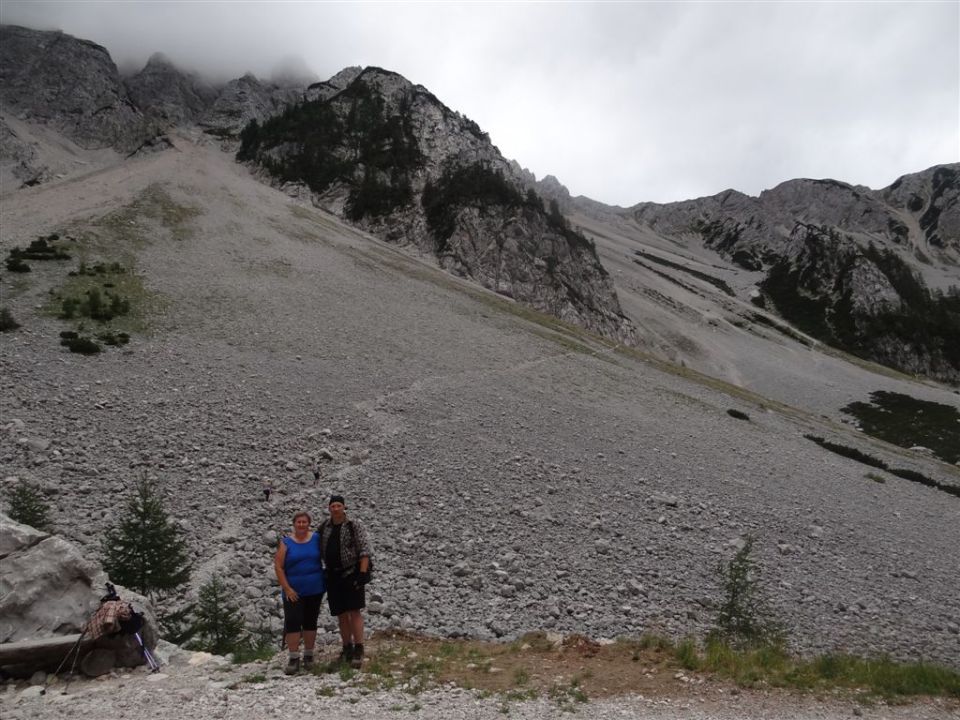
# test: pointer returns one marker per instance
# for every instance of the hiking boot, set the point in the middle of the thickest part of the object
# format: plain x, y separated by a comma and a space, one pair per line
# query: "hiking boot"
356, 660
307, 663
346, 655
293, 666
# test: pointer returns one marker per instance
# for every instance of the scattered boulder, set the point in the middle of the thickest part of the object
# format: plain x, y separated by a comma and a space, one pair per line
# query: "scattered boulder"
48, 592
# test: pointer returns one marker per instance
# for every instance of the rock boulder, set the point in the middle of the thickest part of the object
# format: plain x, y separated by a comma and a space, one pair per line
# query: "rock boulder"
48, 589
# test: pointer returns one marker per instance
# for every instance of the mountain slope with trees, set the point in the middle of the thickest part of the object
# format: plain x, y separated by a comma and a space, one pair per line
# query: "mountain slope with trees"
391, 158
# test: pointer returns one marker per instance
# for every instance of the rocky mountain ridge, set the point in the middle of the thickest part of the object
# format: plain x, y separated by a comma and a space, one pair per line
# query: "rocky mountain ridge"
871, 272
920, 212
849, 266
504, 240
390, 157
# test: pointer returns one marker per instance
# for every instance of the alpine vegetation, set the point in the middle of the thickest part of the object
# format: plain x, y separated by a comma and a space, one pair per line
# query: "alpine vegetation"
27, 504
145, 550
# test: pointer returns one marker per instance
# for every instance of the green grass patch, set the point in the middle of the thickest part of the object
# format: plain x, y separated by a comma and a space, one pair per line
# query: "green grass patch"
566, 696
652, 641
118, 299
132, 226
772, 665
764, 663
571, 671
687, 655
882, 677
256, 650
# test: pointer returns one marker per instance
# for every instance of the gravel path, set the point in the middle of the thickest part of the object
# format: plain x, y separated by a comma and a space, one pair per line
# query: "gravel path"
185, 692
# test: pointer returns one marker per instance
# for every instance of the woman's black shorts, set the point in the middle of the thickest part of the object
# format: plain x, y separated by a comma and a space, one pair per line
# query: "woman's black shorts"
345, 594
301, 615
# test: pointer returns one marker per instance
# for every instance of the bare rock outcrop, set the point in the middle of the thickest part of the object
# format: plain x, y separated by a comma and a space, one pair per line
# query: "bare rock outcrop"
550, 188
19, 159
70, 84
328, 88
48, 589
168, 95
932, 198
243, 100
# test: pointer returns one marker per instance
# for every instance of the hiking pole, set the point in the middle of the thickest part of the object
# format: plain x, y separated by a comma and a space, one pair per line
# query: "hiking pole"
76, 649
151, 661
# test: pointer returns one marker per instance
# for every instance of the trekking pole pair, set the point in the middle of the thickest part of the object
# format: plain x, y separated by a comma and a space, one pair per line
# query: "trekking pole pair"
71, 651
148, 656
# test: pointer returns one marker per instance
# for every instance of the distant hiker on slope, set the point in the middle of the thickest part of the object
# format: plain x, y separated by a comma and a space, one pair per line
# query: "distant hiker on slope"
347, 557
299, 568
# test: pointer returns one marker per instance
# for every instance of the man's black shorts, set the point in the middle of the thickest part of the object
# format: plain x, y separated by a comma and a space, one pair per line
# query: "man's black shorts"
345, 594
301, 615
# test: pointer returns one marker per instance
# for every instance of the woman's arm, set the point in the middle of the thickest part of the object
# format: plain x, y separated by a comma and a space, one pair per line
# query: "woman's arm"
278, 561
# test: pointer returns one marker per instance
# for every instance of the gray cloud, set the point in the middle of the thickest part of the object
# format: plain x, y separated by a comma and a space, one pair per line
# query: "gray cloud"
623, 102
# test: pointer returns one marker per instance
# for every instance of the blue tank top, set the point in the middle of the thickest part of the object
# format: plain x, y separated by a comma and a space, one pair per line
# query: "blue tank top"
303, 566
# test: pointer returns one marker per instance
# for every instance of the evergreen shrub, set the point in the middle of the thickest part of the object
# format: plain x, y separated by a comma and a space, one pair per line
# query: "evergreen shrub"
145, 550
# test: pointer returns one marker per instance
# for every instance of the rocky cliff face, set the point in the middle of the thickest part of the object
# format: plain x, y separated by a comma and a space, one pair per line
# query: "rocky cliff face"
845, 264
19, 157
243, 100
70, 84
932, 199
168, 95
389, 156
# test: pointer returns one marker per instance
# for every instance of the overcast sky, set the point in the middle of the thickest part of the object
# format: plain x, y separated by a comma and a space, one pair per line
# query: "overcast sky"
623, 102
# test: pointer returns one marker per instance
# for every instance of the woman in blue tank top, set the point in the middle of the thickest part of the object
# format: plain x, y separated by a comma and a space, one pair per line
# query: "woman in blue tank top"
299, 569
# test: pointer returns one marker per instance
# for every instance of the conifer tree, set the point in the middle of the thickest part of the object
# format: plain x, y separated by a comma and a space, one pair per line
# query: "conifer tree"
218, 627
145, 551
28, 505
744, 618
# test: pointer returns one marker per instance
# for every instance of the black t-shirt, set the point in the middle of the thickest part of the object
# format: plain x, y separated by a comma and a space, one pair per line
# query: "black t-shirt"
332, 558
